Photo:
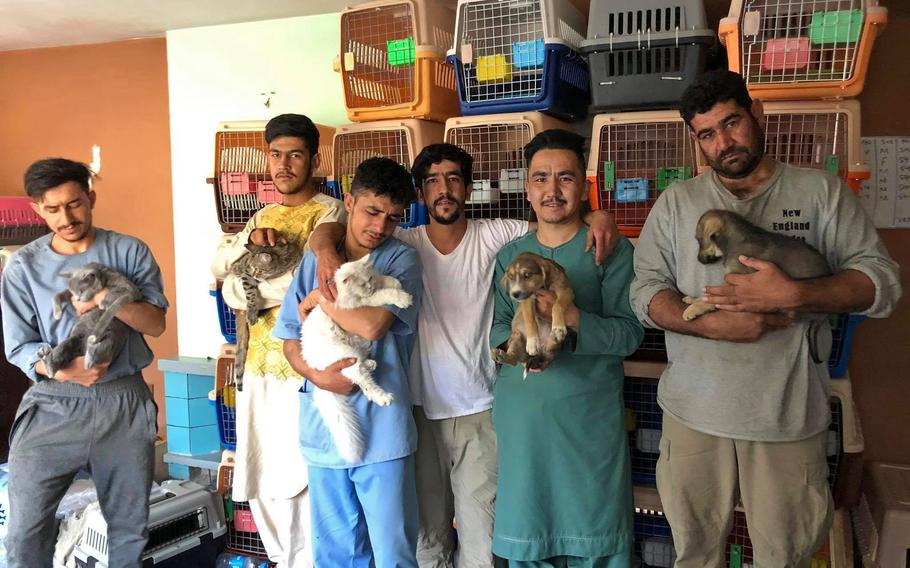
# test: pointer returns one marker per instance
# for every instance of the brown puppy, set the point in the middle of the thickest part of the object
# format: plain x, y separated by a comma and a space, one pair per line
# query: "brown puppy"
724, 235
527, 274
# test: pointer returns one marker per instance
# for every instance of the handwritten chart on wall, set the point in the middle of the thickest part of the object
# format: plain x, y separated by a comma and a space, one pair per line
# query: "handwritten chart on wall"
886, 194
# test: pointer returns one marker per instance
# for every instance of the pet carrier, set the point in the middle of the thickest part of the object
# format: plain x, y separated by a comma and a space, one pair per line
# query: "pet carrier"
802, 49
399, 140
653, 540
19, 224
242, 532
393, 60
634, 156
883, 516
520, 55
186, 528
242, 182
644, 53
227, 320
225, 398
496, 143
823, 135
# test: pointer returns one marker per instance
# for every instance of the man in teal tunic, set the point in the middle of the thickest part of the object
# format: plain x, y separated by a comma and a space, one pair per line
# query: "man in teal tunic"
564, 496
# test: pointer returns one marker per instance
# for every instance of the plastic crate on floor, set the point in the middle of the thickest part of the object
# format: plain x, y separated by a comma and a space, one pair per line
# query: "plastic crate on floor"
227, 320
392, 60
802, 49
644, 53
634, 156
19, 224
823, 135
242, 182
399, 140
520, 55
882, 518
226, 399
496, 143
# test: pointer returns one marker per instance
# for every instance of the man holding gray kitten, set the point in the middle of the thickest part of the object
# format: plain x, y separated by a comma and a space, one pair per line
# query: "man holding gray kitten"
102, 418
745, 403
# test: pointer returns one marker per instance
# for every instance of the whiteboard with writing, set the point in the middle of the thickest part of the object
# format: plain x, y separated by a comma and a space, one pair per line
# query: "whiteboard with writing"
886, 194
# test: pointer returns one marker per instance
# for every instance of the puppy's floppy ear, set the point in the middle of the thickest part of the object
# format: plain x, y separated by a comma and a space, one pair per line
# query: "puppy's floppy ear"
543, 273
505, 279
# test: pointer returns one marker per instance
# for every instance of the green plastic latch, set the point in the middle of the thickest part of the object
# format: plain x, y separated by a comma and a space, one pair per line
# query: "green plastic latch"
229, 509
736, 556
401, 51
832, 164
609, 175
668, 176
840, 26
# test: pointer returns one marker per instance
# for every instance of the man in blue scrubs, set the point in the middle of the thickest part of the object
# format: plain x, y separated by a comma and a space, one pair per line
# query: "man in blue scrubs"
365, 511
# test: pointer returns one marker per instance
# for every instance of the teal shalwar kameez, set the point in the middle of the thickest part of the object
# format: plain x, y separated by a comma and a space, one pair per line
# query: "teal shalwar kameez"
564, 496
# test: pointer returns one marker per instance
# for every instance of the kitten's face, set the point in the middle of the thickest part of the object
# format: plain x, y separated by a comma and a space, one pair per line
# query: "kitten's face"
355, 279
84, 283
266, 259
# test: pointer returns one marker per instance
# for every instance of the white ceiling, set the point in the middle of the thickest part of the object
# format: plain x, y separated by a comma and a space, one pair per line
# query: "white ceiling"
27, 24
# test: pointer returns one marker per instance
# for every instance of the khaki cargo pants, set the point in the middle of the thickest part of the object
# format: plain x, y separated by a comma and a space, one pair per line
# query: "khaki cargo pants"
783, 487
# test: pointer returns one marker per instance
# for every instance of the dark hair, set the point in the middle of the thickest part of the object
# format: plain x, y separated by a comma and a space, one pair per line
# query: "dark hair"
47, 174
556, 139
435, 153
295, 125
385, 178
712, 88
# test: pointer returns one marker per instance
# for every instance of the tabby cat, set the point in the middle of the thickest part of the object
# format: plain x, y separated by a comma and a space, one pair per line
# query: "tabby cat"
97, 334
262, 262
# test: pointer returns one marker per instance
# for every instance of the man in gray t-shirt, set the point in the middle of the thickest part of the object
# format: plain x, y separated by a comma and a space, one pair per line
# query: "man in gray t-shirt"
745, 404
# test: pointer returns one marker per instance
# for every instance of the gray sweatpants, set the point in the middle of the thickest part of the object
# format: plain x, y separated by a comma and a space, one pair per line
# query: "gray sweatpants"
108, 429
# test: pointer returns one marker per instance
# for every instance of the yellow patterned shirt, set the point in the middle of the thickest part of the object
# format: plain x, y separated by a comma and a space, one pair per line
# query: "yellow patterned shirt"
265, 355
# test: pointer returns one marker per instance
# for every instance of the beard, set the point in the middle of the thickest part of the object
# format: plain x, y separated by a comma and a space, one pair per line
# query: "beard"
746, 165
446, 219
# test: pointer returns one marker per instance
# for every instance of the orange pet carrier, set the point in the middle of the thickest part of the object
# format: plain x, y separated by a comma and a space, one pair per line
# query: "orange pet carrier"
496, 142
802, 49
242, 182
635, 156
393, 60
824, 135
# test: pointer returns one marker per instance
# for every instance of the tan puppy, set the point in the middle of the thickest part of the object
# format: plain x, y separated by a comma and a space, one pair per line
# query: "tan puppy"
527, 274
724, 235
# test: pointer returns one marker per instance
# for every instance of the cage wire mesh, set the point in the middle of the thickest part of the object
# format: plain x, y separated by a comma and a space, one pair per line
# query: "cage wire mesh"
809, 140
502, 50
242, 532
636, 161
644, 421
786, 41
352, 148
226, 401
19, 224
653, 541
499, 174
379, 56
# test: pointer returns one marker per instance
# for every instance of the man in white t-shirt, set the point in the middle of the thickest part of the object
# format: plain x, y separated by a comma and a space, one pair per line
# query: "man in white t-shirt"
451, 370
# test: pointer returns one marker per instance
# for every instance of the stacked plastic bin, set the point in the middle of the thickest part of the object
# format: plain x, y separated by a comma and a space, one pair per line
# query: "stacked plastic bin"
398, 87
190, 420
882, 516
644, 53
496, 142
520, 55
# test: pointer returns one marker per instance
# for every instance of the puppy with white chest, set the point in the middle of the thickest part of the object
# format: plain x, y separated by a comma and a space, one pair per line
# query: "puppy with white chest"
724, 235
527, 274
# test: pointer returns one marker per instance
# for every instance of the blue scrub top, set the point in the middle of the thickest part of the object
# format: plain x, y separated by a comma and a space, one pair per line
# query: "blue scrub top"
389, 431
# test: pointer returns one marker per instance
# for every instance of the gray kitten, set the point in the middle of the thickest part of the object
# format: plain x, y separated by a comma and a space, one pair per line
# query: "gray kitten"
98, 334
262, 262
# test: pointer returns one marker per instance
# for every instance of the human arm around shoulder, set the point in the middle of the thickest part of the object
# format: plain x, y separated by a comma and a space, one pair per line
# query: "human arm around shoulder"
603, 234
866, 279
324, 242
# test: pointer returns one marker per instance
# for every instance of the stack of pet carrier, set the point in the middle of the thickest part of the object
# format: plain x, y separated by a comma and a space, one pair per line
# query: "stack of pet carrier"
398, 88
642, 55
242, 533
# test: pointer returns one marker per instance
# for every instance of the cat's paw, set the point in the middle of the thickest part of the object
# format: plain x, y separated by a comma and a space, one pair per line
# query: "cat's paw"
92, 339
43, 352
368, 365
404, 301
383, 398
58, 311
559, 333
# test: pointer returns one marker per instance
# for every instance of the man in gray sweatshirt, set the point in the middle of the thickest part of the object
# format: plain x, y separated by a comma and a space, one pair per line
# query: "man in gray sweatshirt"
745, 404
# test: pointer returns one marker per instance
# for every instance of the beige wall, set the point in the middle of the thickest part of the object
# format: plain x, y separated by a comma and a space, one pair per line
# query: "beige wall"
61, 101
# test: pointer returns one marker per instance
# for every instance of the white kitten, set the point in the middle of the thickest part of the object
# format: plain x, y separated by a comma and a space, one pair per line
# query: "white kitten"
323, 343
